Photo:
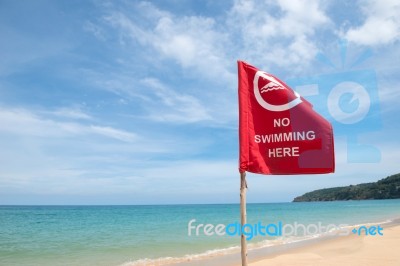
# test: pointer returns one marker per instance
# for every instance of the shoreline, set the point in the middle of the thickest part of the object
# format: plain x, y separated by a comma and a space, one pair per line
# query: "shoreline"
348, 250
317, 250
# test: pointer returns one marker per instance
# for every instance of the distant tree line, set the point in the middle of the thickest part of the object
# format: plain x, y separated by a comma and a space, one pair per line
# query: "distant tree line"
387, 188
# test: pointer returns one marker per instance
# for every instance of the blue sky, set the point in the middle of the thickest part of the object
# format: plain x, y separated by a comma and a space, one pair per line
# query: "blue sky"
135, 102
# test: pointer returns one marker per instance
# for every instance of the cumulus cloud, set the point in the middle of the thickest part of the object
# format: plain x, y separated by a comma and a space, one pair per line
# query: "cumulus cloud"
278, 33
264, 32
267, 33
381, 26
193, 42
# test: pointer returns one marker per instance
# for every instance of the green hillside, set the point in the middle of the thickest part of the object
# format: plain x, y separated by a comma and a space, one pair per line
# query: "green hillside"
387, 188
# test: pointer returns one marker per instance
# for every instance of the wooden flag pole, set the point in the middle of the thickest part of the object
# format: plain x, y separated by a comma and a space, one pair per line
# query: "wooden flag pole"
243, 215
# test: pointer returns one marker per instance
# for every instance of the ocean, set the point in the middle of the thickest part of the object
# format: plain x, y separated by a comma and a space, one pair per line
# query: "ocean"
159, 234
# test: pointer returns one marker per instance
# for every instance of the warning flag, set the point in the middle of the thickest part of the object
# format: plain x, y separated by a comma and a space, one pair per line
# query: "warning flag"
279, 132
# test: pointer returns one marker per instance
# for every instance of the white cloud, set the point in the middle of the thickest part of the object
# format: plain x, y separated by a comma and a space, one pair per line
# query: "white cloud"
26, 123
177, 107
381, 26
301, 17
114, 133
193, 42
44, 156
120, 83
206, 49
71, 112
278, 34
95, 30
161, 102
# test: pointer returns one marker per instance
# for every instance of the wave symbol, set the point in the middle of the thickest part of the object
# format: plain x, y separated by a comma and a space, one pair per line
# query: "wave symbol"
272, 86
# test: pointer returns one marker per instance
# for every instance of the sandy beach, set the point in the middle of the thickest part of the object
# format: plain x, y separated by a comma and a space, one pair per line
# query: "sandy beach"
349, 250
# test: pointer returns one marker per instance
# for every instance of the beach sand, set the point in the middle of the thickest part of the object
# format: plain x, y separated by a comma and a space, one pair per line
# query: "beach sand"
347, 250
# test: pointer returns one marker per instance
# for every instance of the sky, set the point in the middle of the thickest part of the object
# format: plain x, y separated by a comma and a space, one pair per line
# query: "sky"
135, 102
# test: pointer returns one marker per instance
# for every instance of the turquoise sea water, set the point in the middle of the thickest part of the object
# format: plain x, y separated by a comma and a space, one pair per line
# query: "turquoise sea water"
134, 235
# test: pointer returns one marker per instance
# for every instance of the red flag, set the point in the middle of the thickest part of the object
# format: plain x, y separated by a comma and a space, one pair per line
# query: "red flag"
279, 132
